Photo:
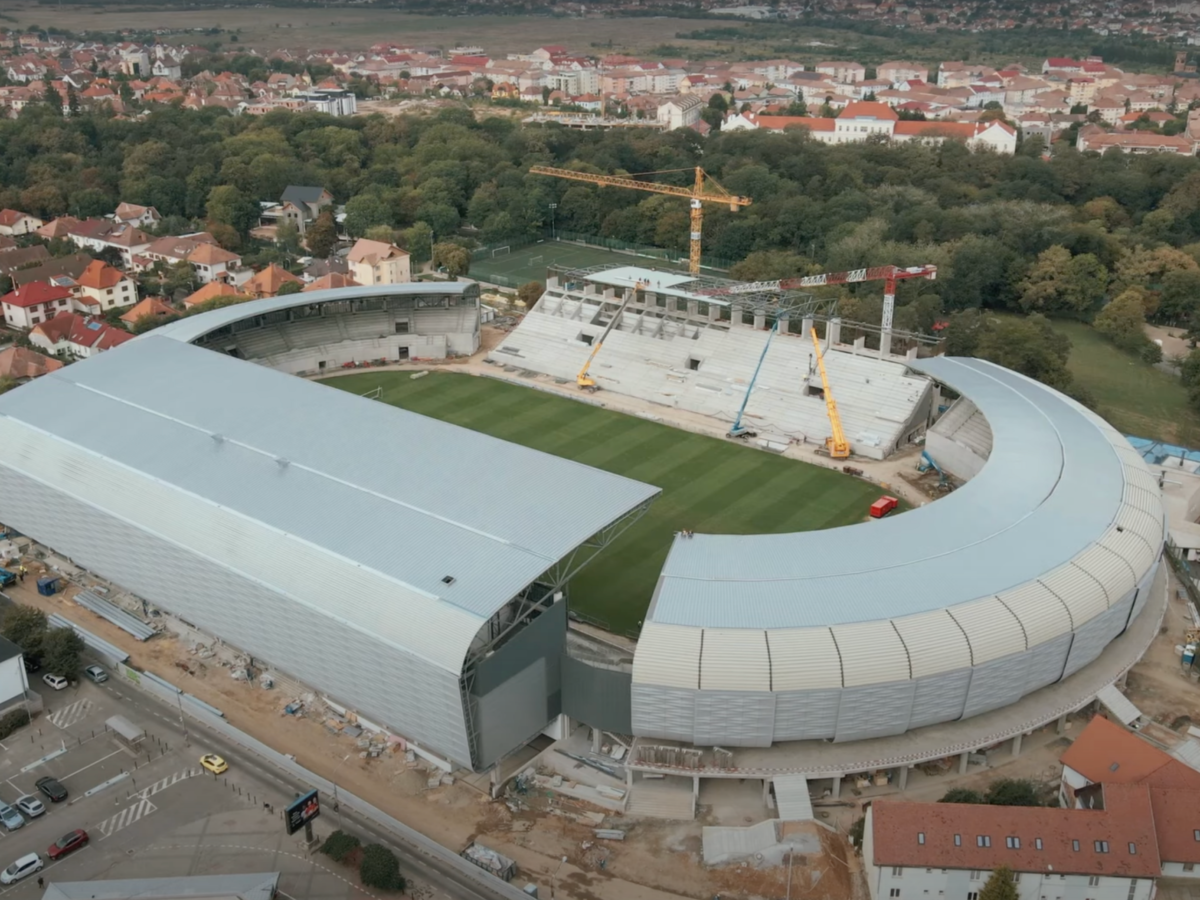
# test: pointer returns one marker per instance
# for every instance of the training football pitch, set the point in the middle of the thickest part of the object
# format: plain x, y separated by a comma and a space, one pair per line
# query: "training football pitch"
519, 265
708, 485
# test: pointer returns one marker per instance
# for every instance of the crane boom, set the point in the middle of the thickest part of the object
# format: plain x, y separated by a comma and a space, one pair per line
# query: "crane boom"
583, 379
887, 274
838, 446
738, 429
705, 189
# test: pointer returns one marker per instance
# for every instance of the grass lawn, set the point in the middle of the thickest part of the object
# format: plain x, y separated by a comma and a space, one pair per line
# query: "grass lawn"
1135, 397
708, 485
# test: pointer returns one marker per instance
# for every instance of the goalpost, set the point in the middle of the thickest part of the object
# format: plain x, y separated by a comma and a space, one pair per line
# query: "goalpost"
534, 260
501, 251
375, 394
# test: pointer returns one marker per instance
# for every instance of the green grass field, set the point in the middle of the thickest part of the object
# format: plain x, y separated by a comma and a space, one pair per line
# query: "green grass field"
1135, 397
524, 264
708, 485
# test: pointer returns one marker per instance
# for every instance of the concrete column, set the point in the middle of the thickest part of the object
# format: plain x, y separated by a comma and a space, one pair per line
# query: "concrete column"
837, 786
760, 322
595, 740
767, 792
860, 345
1016, 747
552, 282
1061, 725
628, 779
903, 779
911, 355
963, 759
885, 344
693, 308
672, 304
695, 788
833, 332
610, 294
806, 325
714, 312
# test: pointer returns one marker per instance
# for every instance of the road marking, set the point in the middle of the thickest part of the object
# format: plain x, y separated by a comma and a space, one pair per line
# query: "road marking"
96, 763
68, 715
126, 817
164, 783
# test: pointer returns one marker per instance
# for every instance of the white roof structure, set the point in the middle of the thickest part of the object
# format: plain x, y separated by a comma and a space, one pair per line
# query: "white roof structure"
1026, 572
356, 509
708, 370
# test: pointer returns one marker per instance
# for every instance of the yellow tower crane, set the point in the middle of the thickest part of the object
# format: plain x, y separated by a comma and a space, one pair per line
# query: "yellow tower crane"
838, 446
705, 190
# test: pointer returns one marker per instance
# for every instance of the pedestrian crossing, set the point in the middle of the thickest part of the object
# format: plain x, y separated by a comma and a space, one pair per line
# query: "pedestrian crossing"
126, 817
164, 783
66, 716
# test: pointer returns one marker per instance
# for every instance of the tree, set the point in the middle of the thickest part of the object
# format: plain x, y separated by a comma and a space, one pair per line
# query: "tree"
287, 236
1000, 886
1012, 792
364, 211
51, 97
546, 92
529, 293
339, 845
384, 233
1060, 282
961, 795
1030, 346
26, 627
769, 265
62, 651
418, 241
1123, 321
72, 100
321, 236
289, 287
380, 869
227, 205
1179, 301
454, 259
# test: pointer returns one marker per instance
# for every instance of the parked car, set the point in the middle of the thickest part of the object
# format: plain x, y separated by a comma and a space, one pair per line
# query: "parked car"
26, 865
96, 674
31, 806
214, 763
68, 843
32, 664
55, 681
10, 817
52, 789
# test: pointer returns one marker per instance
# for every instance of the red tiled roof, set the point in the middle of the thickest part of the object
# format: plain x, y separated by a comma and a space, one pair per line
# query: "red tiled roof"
151, 306
868, 109
82, 331
20, 362
1177, 823
211, 255
34, 293
923, 835
10, 217
210, 291
100, 275
332, 280
270, 280
1106, 752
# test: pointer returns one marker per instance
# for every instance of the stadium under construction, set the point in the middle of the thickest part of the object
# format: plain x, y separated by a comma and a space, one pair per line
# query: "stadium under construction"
183, 468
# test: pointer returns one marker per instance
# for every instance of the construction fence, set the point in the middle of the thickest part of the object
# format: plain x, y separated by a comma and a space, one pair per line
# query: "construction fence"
512, 264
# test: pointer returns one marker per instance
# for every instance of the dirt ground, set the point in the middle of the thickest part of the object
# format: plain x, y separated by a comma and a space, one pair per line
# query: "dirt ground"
1173, 342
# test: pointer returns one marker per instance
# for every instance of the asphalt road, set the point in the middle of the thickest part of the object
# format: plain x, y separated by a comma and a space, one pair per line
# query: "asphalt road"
161, 808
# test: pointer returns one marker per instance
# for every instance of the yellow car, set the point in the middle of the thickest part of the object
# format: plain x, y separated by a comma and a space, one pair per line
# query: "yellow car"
214, 763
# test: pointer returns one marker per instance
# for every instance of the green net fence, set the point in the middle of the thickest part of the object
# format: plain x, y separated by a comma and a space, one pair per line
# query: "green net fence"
512, 264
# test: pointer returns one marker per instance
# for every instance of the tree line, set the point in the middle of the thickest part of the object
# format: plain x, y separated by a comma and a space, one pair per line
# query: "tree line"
1112, 238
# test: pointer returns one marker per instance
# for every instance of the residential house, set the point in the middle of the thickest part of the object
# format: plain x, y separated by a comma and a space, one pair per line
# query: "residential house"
105, 234
20, 364
331, 281
1110, 852
681, 111
102, 287
842, 72
210, 291
269, 281
1061, 64
377, 262
1092, 137
1106, 753
13, 222
138, 216
57, 228
300, 206
35, 303
64, 270
200, 251
13, 261
79, 336
149, 308
896, 71
7, 243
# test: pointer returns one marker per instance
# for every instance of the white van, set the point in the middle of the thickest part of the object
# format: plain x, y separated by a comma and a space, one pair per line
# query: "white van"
26, 865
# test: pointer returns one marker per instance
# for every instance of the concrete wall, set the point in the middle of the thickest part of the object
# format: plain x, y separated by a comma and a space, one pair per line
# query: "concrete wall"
952, 456
1180, 870
963, 884
13, 682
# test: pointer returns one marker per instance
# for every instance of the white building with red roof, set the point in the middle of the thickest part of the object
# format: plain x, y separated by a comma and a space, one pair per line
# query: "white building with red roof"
34, 303
80, 336
14, 222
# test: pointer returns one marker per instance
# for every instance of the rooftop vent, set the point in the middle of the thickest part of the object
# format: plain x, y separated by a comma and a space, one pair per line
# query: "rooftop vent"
448, 579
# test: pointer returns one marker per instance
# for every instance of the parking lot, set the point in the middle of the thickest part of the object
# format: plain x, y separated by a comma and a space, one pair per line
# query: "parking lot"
154, 812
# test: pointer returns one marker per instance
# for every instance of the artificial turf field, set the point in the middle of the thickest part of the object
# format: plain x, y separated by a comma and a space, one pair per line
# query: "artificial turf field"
708, 485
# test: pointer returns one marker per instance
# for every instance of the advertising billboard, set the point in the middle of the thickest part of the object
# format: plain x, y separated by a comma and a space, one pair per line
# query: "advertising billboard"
302, 811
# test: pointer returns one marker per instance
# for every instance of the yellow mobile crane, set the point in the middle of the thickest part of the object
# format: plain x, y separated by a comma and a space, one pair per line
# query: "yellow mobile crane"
837, 445
704, 190
583, 379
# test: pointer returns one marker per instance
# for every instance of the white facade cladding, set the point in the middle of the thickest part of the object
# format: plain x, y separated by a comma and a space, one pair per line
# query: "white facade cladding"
365, 550
1016, 580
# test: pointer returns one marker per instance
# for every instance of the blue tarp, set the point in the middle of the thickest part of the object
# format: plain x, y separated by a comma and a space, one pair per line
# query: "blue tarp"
1156, 452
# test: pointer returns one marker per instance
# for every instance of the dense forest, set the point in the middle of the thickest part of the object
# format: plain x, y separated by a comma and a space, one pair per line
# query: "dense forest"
1112, 239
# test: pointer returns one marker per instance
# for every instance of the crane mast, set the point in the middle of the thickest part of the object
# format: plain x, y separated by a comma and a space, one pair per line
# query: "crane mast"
704, 189
838, 446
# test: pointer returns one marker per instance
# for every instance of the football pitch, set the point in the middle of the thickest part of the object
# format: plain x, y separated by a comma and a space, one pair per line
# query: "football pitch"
708, 485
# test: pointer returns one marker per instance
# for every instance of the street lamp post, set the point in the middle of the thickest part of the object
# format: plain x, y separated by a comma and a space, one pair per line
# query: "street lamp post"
183, 721
337, 807
553, 233
554, 877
